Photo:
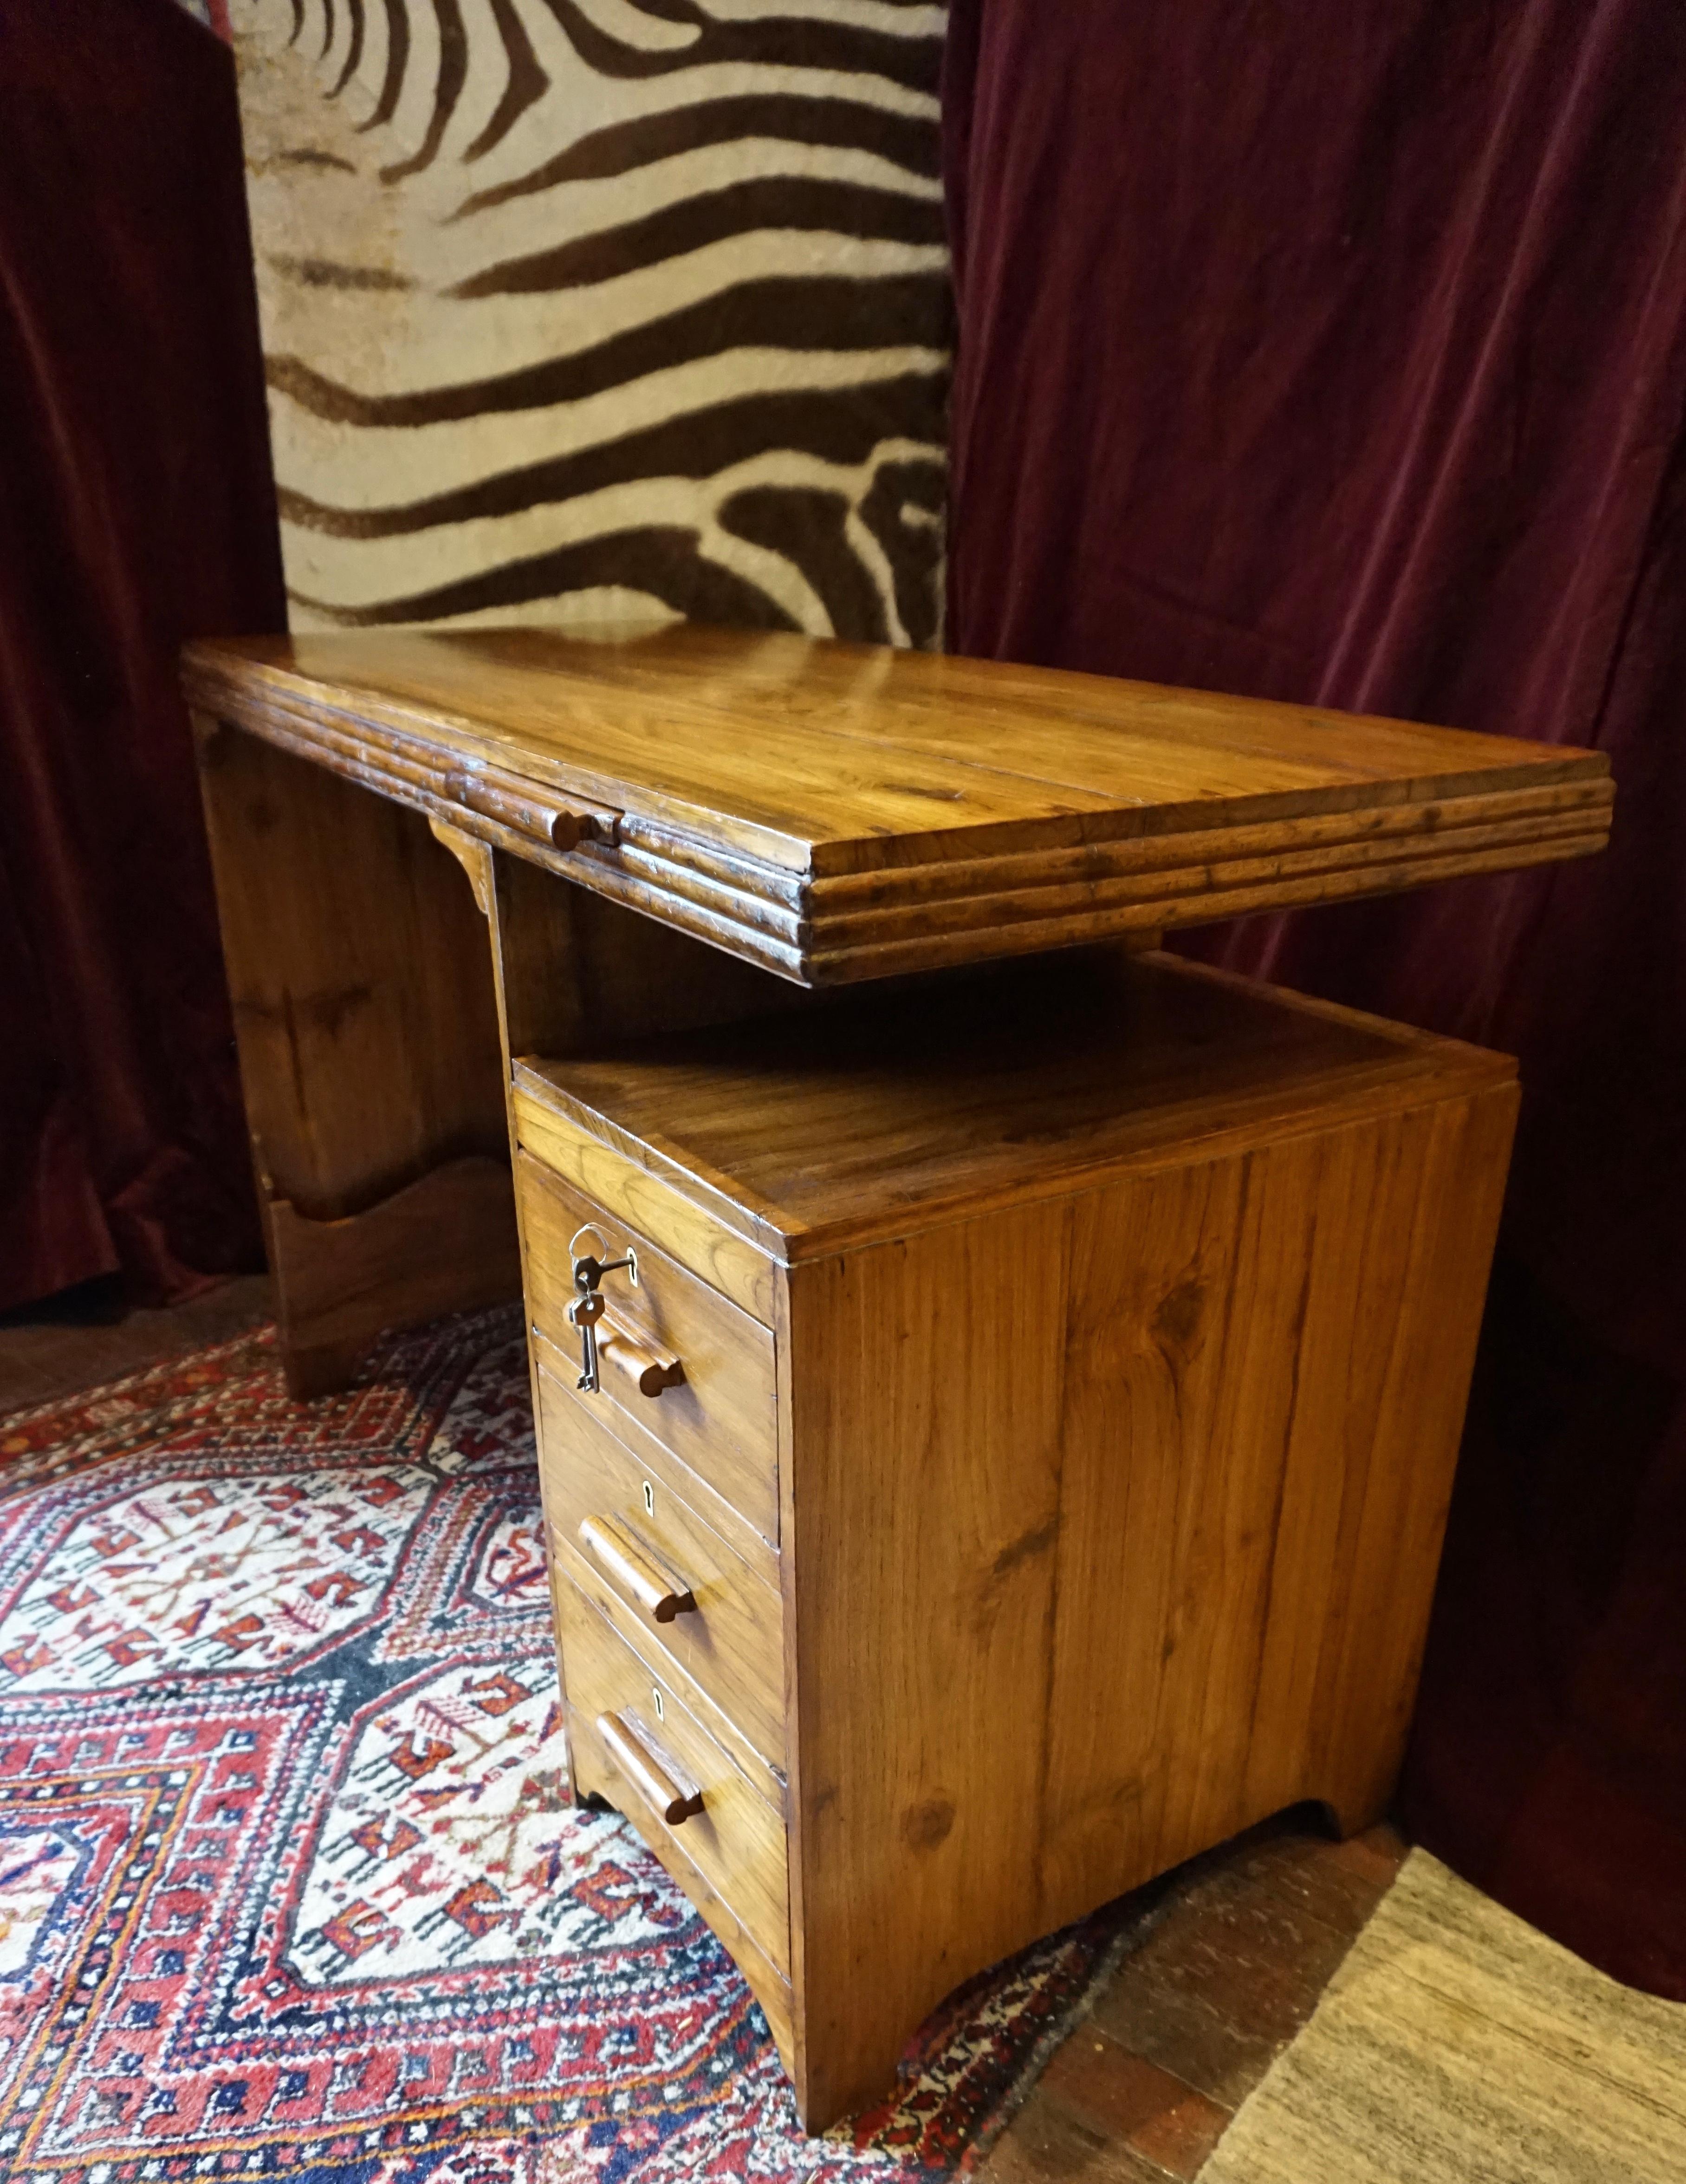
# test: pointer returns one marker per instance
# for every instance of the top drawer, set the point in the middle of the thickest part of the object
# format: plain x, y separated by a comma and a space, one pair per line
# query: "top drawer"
721, 1417
726, 1262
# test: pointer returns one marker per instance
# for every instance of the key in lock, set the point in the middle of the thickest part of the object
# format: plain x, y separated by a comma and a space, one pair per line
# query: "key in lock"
587, 1309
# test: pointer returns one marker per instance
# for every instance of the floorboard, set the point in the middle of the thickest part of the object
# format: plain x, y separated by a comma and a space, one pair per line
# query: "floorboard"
1245, 1940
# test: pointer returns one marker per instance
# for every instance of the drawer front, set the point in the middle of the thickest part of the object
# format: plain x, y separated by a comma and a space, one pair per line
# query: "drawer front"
655, 1462
635, 1742
725, 1260
720, 1419
698, 1600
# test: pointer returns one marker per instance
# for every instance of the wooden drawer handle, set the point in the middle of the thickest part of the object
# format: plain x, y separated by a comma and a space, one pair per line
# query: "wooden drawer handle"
646, 1773
618, 1553
511, 804
649, 1373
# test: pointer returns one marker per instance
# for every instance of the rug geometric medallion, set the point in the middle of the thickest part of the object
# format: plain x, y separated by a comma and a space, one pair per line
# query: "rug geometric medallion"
290, 1882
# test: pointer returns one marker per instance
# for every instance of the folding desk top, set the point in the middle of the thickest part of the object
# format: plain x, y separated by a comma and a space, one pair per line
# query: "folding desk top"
839, 812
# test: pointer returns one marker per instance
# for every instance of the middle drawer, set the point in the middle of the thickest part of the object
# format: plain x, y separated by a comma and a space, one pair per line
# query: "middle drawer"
693, 1596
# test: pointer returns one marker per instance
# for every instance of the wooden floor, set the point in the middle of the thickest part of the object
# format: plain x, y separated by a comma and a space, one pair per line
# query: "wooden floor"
1238, 1947
1244, 1941
85, 1336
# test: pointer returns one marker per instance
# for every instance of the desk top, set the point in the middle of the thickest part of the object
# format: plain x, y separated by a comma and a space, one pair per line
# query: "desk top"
839, 812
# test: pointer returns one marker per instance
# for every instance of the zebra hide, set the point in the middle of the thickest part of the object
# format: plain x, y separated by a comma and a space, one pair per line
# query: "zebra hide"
586, 309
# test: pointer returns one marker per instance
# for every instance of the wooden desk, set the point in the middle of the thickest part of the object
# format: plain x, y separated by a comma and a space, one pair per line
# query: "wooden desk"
1021, 1457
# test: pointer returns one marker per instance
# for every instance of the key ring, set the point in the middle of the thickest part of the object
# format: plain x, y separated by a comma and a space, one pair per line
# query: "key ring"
591, 1229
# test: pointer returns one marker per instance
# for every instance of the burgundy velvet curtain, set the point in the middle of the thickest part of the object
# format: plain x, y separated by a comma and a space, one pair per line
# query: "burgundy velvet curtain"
1335, 350
136, 510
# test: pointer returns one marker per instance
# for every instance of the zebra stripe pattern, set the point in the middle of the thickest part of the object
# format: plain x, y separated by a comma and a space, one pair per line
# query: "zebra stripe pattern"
578, 308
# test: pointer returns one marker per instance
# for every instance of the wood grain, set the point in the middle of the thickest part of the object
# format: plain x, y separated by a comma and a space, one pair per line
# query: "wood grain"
719, 1422
876, 1115
659, 1465
650, 1770
1131, 917
731, 1644
472, 855
630, 1564
696, 1235
356, 958
1367, 1679
444, 1244
770, 1782
737, 1840
592, 1774
925, 1506
834, 813
1177, 1521
367, 1030
877, 888
579, 971
629, 1368
766, 1982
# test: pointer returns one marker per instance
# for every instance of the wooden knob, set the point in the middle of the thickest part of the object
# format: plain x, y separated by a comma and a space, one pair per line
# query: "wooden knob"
645, 1772
620, 1557
648, 1372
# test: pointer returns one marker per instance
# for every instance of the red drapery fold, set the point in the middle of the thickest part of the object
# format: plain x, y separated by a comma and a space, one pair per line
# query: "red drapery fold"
136, 510
1338, 354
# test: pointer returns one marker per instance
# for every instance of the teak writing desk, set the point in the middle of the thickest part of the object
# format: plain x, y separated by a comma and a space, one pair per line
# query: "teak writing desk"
996, 1425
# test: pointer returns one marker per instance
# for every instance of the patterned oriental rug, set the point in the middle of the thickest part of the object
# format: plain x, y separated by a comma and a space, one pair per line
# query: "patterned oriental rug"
291, 1883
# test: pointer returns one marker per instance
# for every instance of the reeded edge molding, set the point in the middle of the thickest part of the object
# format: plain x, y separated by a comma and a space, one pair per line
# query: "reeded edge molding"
487, 803
820, 930
934, 950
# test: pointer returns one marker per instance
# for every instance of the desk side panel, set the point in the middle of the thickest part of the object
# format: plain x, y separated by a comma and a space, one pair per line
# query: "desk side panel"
364, 1012
924, 1394
1112, 1528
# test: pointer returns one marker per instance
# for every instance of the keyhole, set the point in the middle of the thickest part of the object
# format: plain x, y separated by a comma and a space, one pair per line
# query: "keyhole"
649, 1499
660, 1710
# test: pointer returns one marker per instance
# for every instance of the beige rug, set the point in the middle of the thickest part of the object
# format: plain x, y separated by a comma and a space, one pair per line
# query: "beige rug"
1457, 2046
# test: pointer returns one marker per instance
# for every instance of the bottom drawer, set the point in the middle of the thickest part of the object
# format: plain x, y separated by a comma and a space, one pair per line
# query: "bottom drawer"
634, 1741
